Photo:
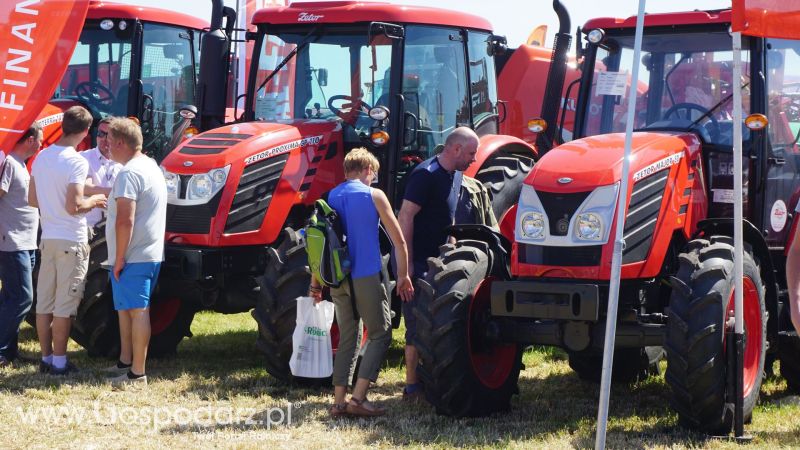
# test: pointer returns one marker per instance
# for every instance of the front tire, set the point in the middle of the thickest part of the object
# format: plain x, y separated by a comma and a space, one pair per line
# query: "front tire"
701, 303
463, 373
285, 278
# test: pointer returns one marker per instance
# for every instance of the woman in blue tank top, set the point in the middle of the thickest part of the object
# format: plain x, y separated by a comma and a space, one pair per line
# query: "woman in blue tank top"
364, 296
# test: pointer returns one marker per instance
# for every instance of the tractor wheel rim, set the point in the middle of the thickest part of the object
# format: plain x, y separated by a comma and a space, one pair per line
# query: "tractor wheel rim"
491, 365
753, 337
163, 313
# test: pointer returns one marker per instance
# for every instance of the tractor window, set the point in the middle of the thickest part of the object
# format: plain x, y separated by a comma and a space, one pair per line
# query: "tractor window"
683, 78
168, 82
434, 87
98, 70
336, 75
783, 81
483, 83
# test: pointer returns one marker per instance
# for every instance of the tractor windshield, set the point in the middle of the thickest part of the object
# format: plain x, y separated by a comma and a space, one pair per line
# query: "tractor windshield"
326, 73
685, 83
99, 70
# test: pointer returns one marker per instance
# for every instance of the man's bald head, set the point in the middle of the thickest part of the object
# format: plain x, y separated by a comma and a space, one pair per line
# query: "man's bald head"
460, 147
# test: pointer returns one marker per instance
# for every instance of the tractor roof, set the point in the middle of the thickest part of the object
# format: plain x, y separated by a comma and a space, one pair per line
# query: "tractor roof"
103, 10
663, 19
353, 11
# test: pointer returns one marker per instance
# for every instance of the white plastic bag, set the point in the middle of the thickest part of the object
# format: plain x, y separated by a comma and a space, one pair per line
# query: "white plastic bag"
312, 355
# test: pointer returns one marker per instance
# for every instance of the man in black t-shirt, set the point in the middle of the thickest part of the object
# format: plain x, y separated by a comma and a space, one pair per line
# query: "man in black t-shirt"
428, 208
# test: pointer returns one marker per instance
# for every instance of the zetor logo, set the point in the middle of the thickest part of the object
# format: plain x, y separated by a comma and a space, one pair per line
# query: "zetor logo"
670, 160
308, 17
305, 142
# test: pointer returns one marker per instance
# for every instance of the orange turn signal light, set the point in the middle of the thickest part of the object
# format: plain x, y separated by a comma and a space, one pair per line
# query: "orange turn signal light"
756, 122
190, 132
380, 137
537, 125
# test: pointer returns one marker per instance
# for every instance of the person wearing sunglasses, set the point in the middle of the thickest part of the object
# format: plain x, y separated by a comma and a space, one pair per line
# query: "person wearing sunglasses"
102, 170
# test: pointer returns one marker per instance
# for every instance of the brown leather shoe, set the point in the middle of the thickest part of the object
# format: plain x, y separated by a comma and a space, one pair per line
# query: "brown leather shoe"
338, 410
363, 408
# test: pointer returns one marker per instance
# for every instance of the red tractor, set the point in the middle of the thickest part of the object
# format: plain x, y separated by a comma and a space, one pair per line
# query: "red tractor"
142, 62
546, 280
325, 78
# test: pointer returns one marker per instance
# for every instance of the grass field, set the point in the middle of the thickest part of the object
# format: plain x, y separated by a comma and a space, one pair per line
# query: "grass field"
215, 393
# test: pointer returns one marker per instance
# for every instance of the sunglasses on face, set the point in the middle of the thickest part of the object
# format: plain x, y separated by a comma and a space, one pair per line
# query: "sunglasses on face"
102, 134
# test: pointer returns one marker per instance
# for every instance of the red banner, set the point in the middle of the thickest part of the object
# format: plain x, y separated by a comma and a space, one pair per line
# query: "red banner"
37, 38
768, 18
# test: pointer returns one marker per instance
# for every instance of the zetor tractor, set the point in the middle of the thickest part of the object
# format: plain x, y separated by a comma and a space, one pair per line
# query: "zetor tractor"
325, 78
546, 282
141, 62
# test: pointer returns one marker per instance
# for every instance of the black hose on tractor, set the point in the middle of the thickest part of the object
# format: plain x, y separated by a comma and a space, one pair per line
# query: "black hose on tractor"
555, 79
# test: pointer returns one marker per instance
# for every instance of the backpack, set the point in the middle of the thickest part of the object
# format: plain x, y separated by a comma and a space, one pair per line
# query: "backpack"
328, 258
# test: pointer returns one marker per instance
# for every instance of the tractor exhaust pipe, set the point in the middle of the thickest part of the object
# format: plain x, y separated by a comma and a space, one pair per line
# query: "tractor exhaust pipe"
555, 79
214, 67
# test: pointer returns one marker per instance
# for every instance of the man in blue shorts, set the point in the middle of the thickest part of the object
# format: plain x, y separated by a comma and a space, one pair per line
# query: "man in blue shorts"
137, 212
429, 205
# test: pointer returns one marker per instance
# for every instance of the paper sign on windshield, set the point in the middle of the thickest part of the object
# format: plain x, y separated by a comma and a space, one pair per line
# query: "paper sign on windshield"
612, 83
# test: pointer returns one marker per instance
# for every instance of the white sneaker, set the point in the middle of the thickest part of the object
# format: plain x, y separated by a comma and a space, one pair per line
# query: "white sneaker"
116, 370
123, 381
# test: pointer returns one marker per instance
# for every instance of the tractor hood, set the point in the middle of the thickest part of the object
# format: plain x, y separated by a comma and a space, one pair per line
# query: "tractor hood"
587, 163
245, 144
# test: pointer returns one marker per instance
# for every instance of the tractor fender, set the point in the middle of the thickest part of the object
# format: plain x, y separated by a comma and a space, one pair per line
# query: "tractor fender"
500, 246
492, 143
751, 235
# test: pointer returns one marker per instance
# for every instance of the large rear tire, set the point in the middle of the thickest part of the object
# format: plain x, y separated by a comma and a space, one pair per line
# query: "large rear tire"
463, 373
630, 364
701, 303
503, 174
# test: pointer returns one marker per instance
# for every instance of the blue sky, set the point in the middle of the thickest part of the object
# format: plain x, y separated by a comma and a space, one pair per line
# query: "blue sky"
514, 19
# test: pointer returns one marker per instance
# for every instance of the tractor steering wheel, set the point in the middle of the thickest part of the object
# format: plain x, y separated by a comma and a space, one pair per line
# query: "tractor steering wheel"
355, 108
688, 107
95, 93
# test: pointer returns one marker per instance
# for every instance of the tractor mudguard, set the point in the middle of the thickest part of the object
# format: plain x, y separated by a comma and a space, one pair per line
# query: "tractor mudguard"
724, 226
500, 255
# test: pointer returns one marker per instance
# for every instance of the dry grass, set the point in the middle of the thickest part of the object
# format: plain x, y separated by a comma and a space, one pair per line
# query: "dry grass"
218, 372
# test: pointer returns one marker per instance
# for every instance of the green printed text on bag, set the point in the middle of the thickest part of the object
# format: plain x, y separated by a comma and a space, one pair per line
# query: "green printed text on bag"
325, 243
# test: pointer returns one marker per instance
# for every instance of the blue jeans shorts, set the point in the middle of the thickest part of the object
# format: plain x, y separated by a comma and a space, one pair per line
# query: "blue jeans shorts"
135, 286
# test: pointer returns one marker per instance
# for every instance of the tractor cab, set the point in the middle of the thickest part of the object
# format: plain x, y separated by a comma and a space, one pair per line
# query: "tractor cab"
687, 86
395, 87
130, 61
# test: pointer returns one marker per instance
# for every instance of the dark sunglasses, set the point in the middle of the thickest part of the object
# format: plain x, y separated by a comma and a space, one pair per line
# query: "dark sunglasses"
102, 134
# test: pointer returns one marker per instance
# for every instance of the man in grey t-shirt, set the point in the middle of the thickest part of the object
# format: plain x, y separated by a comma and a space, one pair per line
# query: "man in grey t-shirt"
18, 225
137, 214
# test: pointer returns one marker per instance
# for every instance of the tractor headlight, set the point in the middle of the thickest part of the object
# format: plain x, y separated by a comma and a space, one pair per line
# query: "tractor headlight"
531, 218
589, 227
532, 225
200, 187
595, 215
204, 186
173, 183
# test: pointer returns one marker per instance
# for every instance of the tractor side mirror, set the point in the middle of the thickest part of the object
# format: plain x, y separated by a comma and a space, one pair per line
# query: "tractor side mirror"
497, 45
322, 77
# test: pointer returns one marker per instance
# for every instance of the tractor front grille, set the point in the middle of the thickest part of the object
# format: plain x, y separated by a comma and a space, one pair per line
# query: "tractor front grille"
642, 217
546, 255
194, 219
254, 194
560, 208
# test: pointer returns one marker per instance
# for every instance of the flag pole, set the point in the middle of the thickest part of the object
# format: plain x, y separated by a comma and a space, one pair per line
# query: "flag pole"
616, 261
738, 214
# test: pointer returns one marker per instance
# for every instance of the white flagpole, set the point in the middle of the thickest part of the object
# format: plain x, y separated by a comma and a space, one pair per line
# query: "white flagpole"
616, 261
738, 246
